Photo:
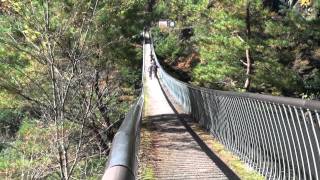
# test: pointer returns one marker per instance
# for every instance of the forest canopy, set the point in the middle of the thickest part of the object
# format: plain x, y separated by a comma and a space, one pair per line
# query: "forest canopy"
258, 46
69, 70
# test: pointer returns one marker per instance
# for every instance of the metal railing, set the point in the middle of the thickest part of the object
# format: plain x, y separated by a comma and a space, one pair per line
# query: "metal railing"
122, 161
277, 136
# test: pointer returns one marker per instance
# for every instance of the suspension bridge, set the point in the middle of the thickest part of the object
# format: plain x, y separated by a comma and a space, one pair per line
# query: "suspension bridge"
276, 136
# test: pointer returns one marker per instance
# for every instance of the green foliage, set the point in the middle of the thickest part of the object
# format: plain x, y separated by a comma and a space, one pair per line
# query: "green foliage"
33, 142
218, 72
312, 84
167, 45
32, 152
267, 78
82, 38
220, 50
9, 122
183, 12
278, 42
129, 77
91, 169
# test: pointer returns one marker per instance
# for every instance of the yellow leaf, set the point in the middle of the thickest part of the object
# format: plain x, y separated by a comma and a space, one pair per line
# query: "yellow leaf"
306, 2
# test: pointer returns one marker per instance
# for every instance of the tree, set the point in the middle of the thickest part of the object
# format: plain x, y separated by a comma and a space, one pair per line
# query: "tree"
249, 62
244, 46
62, 58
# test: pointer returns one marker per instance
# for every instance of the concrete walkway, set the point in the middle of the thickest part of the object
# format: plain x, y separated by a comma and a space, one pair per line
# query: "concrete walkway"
175, 153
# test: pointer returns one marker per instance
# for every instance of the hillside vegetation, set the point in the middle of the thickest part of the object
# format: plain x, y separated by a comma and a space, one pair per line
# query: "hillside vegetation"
68, 72
243, 45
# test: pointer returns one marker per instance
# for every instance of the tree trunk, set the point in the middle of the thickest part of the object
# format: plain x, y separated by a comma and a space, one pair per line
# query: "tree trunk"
150, 6
101, 106
248, 53
98, 136
103, 109
249, 70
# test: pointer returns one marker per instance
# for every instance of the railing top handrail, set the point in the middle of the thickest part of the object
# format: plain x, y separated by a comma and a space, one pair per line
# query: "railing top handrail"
123, 151
122, 158
301, 103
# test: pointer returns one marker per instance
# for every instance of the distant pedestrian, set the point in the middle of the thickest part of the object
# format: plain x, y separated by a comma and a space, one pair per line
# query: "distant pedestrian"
151, 57
153, 69
150, 71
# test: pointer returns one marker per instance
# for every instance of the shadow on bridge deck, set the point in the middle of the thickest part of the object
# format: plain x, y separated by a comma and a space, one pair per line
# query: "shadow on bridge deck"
177, 152
171, 123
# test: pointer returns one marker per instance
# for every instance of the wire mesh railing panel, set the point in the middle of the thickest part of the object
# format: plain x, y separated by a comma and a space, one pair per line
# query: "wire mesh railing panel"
277, 136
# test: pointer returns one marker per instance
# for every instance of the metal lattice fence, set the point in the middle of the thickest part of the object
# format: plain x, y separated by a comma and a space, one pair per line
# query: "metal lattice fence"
277, 136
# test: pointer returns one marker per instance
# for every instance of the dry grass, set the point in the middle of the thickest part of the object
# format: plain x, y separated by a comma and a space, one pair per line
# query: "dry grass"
145, 171
239, 167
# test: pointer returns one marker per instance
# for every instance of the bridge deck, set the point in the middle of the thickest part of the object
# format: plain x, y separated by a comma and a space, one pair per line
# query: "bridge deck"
175, 152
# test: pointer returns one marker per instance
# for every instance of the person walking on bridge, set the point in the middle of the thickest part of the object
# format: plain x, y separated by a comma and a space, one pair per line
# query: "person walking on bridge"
151, 57
153, 69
